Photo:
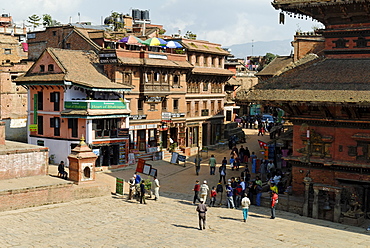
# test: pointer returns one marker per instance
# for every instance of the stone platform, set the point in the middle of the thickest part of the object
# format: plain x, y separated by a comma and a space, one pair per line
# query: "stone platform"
42, 190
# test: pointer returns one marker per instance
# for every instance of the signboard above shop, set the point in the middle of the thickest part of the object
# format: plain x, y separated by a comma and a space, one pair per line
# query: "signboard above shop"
153, 99
108, 57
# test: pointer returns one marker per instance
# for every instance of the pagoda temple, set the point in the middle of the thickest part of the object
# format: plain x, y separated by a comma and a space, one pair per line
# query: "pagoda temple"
328, 102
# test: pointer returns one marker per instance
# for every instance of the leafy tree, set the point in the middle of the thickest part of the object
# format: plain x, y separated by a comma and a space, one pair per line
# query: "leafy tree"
48, 21
190, 35
34, 20
269, 57
117, 21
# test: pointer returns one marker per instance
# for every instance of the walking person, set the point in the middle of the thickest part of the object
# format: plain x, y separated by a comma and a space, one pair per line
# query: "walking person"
222, 171
196, 190
212, 164
197, 161
274, 201
156, 188
245, 206
238, 195
202, 209
229, 194
219, 191
137, 184
213, 197
258, 190
131, 184
142, 192
241, 154
204, 191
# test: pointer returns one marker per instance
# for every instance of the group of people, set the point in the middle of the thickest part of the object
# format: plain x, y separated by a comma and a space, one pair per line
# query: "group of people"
137, 188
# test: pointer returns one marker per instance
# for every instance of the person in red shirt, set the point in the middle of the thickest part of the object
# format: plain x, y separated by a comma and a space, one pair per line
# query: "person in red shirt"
213, 197
196, 191
274, 201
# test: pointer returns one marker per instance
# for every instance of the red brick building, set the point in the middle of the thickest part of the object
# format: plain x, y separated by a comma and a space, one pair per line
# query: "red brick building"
327, 100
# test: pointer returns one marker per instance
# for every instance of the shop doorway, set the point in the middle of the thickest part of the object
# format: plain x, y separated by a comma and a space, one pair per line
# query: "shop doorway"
108, 155
205, 134
164, 139
173, 134
141, 140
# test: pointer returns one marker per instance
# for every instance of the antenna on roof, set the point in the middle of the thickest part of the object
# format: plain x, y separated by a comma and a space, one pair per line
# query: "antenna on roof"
252, 47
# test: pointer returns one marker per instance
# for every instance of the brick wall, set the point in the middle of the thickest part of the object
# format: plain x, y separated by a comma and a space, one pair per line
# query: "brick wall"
22, 162
324, 176
15, 199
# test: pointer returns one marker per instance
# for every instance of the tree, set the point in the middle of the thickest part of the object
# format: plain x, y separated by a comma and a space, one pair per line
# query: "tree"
34, 20
190, 35
269, 57
117, 21
48, 21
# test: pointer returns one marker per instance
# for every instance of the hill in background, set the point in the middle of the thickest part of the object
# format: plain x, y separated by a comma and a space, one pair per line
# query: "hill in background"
260, 48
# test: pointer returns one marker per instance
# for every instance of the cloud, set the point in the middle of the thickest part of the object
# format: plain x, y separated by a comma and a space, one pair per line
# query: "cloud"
59, 10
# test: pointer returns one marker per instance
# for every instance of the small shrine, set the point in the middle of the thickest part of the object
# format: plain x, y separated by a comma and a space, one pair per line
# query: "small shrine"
82, 163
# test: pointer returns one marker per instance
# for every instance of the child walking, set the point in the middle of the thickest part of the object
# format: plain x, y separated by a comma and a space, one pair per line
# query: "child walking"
213, 197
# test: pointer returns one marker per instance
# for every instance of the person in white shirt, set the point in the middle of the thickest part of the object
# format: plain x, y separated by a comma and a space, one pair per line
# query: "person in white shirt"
156, 188
245, 206
204, 191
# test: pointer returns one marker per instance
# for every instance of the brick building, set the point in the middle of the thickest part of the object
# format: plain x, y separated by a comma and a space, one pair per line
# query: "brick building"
70, 97
13, 62
205, 94
176, 94
327, 100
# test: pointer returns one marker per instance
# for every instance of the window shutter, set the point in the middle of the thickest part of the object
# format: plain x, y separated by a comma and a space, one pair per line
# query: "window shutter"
70, 123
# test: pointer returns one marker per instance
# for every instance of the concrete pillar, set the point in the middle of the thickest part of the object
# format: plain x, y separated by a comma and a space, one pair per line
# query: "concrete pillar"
337, 208
315, 206
307, 182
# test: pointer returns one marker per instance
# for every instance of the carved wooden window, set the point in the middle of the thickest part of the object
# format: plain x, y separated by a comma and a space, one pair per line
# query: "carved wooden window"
363, 151
205, 86
188, 109
340, 43
176, 80
352, 151
164, 104
361, 42
127, 78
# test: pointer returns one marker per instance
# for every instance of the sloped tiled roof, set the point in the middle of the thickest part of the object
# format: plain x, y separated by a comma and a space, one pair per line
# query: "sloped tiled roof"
79, 68
203, 47
208, 70
321, 80
234, 82
276, 65
154, 62
167, 63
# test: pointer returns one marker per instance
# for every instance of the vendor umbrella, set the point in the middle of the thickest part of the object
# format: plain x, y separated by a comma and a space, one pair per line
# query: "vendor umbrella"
131, 40
155, 42
173, 44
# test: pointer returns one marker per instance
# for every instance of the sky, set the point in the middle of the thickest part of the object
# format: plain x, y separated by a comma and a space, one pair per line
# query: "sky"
227, 23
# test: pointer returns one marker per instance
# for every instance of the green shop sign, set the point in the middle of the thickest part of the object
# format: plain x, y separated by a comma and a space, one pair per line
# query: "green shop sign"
95, 105
75, 105
108, 105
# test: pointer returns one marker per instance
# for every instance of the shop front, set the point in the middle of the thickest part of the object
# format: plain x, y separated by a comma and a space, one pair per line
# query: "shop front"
143, 137
111, 153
